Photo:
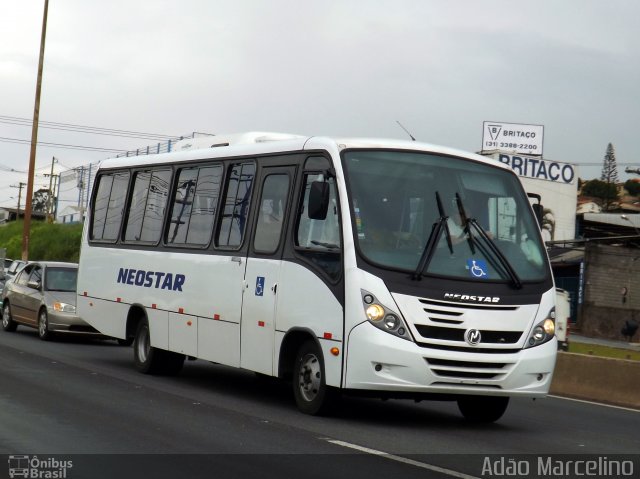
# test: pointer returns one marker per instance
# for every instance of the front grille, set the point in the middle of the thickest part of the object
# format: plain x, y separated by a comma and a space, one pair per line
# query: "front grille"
485, 307
469, 349
457, 334
449, 368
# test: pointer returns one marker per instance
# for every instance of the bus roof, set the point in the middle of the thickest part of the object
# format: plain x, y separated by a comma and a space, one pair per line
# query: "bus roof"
252, 143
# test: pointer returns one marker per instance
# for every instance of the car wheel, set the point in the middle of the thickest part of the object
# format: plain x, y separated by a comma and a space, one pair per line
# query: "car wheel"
43, 325
482, 409
8, 324
310, 390
150, 360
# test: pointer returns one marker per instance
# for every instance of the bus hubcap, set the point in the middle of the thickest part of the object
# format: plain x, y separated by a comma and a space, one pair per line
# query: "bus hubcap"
310, 377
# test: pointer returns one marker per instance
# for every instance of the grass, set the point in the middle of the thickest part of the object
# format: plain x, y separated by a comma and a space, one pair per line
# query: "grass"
604, 351
52, 242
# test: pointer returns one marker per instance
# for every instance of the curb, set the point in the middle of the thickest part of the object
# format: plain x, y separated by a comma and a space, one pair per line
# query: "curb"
593, 378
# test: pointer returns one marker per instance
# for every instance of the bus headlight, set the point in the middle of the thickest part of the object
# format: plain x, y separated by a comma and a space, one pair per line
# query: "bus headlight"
384, 318
391, 321
375, 312
543, 331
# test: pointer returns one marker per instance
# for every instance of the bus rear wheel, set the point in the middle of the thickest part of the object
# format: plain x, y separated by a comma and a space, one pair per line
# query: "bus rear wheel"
310, 390
483, 409
150, 360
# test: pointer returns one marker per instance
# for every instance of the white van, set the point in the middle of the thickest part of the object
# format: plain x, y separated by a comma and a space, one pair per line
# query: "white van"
563, 313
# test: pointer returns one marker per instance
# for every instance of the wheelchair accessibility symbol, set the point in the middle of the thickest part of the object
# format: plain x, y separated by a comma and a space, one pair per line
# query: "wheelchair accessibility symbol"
477, 268
259, 285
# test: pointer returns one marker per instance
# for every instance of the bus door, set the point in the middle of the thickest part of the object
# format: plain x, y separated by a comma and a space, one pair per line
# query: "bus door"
263, 269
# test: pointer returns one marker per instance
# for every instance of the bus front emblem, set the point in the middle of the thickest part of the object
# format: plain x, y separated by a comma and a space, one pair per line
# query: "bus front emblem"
473, 337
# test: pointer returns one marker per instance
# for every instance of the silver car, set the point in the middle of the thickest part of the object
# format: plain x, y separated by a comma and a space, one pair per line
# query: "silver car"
43, 296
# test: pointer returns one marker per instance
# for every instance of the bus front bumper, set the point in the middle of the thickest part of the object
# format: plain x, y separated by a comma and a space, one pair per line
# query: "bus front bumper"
379, 361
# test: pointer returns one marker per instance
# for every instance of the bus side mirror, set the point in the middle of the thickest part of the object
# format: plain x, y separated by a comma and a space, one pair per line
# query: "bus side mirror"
538, 210
318, 200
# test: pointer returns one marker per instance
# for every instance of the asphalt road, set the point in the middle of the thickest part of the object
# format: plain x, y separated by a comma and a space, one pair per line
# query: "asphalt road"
82, 398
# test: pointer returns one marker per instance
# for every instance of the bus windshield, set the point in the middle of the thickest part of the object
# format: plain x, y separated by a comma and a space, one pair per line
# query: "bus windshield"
443, 216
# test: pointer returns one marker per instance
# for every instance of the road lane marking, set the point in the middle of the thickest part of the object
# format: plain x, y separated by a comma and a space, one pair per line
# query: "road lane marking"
594, 403
404, 460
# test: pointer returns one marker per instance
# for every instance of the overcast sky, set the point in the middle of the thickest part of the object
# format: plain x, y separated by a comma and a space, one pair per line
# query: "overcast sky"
338, 68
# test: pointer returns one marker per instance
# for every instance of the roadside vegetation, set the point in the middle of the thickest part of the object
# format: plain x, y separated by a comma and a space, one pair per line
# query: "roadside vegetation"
604, 351
47, 242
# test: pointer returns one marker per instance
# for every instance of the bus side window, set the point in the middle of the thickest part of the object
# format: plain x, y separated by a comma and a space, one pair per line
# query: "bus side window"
109, 206
275, 190
147, 205
319, 239
235, 206
194, 206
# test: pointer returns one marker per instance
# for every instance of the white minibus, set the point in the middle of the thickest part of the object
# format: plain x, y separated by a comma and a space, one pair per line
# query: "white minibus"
386, 268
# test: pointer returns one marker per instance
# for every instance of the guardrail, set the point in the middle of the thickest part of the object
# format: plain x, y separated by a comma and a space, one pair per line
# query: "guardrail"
593, 378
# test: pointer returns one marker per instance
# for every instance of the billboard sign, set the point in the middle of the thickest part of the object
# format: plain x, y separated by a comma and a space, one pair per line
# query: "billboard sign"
512, 138
540, 169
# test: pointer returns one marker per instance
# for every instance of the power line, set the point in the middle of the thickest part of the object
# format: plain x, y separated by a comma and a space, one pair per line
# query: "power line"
61, 145
12, 120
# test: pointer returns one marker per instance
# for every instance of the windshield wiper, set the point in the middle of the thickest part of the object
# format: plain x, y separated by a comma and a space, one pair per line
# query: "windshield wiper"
436, 231
465, 222
497, 253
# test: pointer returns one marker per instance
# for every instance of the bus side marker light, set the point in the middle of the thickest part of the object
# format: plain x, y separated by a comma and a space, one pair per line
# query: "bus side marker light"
154, 306
328, 336
216, 317
85, 294
118, 300
261, 324
335, 351
189, 323
181, 310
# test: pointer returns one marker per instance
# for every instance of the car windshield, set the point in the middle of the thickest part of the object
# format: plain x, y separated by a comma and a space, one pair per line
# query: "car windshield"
443, 216
61, 279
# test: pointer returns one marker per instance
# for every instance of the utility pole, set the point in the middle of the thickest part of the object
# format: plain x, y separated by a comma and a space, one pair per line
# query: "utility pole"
50, 197
26, 232
19, 186
56, 188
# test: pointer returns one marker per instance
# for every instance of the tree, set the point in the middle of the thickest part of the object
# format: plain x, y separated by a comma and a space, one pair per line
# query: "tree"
609, 168
549, 222
605, 192
610, 177
40, 200
633, 187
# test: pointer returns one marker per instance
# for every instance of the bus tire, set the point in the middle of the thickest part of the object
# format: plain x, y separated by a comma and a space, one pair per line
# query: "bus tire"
483, 409
310, 390
171, 363
150, 360
8, 324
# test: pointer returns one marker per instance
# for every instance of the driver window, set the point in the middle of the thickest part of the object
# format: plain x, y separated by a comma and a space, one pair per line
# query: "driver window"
319, 234
318, 240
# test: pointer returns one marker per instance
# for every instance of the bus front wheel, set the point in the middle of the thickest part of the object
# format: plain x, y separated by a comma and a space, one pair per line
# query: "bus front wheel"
483, 409
310, 390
